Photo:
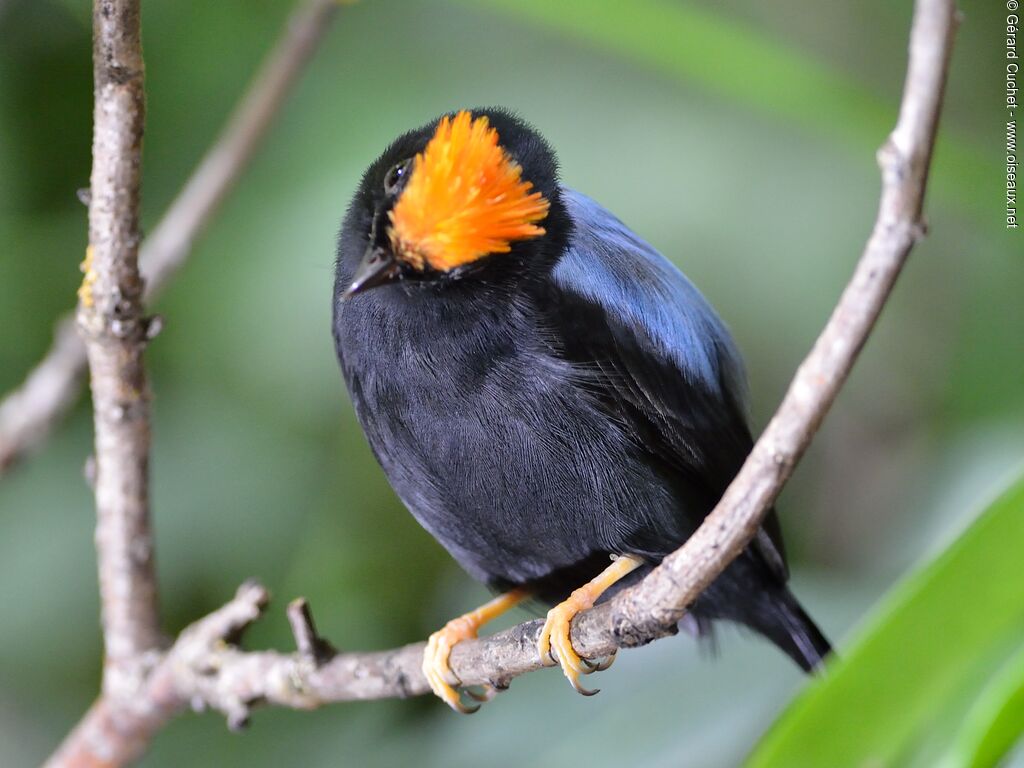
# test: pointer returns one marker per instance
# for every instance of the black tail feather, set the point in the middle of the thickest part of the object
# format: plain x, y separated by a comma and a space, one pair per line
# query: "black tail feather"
792, 630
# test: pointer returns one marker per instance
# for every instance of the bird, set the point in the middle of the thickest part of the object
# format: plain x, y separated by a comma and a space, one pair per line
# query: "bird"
549, 396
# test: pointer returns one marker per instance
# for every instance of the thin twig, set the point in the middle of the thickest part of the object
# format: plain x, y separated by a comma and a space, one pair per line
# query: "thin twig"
167, 247
31, 412
308, 641
111, 321
205, 670
115, 732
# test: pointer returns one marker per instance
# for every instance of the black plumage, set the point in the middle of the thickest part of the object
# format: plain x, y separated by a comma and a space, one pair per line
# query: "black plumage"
540, 410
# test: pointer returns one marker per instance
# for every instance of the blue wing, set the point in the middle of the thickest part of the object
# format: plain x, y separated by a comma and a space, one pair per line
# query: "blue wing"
607, 263
664, 357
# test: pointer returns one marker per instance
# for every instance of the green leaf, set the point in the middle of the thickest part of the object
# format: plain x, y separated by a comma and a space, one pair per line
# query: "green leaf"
932, 657
995, 721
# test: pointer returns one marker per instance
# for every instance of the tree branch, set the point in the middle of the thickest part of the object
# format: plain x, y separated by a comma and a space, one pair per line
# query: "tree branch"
204, 668
31, 412
111, 322
904, 160
167, 248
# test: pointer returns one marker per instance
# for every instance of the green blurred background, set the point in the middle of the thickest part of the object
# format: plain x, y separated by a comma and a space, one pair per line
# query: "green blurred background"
738, 137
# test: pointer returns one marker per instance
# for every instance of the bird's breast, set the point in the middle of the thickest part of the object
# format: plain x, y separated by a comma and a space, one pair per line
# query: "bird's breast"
494, 445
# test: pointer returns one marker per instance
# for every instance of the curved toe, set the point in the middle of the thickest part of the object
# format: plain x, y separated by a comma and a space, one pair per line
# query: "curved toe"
436, 668
435, 663
555, 644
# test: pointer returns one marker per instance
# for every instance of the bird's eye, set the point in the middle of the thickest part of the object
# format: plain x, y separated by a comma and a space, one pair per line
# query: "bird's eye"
395, 177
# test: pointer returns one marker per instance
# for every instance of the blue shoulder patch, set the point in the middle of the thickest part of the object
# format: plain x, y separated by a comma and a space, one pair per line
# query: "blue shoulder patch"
608, 264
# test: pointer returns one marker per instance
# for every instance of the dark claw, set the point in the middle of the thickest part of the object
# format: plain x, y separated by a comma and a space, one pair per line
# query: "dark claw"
584, 691
500, 683
486, 693
600, 665
465, 709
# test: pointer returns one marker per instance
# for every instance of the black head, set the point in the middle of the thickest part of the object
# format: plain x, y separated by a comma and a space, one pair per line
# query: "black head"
472, 195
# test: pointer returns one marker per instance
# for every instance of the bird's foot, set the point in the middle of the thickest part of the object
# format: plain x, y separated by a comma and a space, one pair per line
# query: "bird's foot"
443, 681
555, 644
435, 662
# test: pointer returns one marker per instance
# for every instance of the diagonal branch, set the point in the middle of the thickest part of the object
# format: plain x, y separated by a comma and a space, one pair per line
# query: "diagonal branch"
204, 669
166, 249
30, 413
904, 160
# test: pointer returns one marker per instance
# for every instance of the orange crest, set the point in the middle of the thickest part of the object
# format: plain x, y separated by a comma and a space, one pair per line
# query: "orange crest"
465, 198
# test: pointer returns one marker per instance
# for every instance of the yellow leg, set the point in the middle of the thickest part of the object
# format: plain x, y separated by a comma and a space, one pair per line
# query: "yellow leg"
439, 647
555, 645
